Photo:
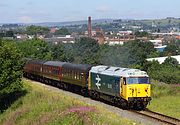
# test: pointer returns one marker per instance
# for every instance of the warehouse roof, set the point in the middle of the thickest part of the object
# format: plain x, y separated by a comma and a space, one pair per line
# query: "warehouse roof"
162, 59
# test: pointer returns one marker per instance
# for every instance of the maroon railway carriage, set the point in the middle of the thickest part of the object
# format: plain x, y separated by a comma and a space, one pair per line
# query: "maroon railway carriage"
52, 72
61, 74
76, 76
33, 69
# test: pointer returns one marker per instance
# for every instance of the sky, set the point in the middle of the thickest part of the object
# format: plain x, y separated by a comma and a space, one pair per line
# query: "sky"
36, 11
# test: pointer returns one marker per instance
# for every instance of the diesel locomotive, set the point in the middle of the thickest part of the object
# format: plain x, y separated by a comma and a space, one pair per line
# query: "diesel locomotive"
127, 88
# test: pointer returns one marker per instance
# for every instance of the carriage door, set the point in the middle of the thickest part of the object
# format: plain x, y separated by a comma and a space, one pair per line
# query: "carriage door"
123, 87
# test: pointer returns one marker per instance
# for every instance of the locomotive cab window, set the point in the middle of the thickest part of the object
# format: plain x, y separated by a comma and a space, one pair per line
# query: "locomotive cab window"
137, 80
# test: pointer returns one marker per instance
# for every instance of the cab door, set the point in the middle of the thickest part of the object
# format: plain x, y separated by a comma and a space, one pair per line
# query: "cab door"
123, 88
117, 86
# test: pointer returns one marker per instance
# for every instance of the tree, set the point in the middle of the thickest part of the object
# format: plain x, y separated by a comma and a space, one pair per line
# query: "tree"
166, 72
2, 35
141, 34
11, 68
151, 66
34, 30
137, 51
9, 34
114, 55
63, 52
86, 51
131, 54
62, 31
171, 62
35, 49
171, 50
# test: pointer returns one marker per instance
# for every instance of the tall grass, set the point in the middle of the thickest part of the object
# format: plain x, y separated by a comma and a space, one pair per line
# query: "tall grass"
41, 106
165, 99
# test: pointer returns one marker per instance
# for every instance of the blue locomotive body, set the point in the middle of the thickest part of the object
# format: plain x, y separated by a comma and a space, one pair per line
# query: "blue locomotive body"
107, 84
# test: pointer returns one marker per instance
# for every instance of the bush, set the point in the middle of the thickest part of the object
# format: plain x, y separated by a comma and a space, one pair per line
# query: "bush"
35, 48
11, 68
168, 72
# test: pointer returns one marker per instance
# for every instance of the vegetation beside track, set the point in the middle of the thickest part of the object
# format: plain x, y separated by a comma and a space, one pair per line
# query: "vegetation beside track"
44, 106
165, 99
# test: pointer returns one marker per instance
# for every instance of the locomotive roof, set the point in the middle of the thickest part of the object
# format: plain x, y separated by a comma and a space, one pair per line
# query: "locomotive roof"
54, 63
83, 67
118, 71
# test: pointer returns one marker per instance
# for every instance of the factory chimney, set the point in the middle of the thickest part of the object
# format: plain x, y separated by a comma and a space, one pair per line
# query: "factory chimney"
89, 27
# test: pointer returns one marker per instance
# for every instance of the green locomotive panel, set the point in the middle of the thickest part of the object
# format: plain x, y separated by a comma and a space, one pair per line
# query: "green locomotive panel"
106, 84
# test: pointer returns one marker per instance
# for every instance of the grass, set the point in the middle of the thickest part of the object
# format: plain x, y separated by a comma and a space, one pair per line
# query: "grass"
41, 106
165, 99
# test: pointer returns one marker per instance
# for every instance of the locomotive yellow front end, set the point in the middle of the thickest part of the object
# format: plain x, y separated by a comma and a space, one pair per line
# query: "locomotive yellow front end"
136, 89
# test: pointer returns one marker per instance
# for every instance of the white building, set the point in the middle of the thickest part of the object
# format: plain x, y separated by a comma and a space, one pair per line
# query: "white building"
162, 59
122, 33
156, 42
111, 43
60, 39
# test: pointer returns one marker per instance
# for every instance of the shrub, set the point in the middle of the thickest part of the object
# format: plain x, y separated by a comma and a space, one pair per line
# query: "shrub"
11, 68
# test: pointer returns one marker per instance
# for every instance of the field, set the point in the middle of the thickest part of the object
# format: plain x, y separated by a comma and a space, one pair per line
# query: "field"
161, 22
166, 99
42, 106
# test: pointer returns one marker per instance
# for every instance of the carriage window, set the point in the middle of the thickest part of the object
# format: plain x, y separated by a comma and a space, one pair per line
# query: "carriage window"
55, 71
77, 75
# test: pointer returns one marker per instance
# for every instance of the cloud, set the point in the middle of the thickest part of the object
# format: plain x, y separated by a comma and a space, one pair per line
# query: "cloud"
25, 19
103, 9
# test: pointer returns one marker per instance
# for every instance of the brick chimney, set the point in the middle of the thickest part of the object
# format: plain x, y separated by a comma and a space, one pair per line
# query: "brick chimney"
89, 27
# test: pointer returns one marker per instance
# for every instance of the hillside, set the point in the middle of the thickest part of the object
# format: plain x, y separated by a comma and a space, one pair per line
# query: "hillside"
41, 106
165, 99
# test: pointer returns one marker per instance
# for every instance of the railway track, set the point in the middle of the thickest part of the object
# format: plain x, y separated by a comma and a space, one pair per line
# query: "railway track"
159, 117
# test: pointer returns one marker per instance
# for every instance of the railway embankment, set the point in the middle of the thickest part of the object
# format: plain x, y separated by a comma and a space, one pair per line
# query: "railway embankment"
165, 99
44, 104
48, 105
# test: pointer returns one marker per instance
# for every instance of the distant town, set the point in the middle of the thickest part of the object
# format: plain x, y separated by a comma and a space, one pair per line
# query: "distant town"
105, 31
